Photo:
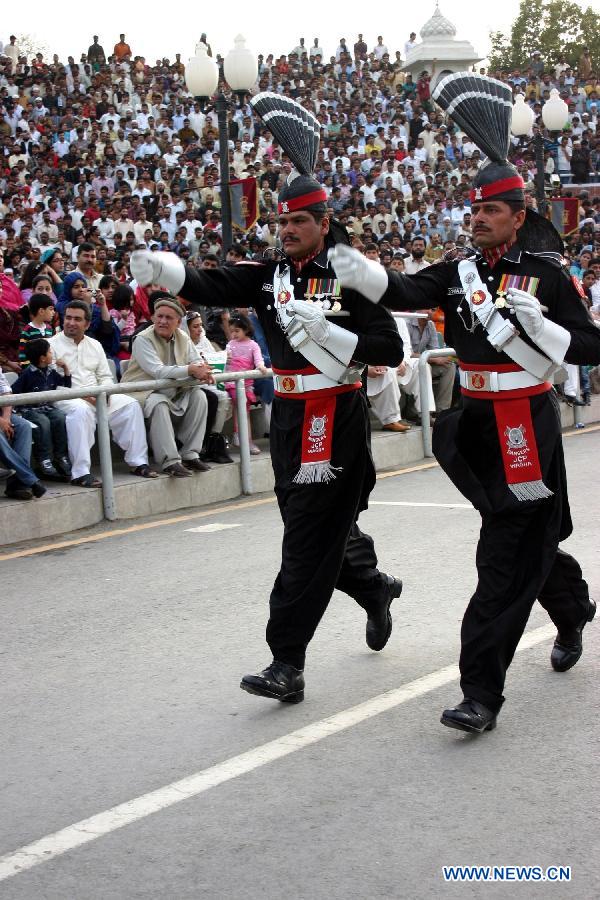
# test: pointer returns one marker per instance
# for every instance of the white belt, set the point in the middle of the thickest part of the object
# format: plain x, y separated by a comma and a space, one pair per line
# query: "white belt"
496, 381
300, 384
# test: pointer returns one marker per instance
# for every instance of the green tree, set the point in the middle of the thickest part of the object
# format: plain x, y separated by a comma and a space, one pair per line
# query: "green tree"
30, 44
554, 27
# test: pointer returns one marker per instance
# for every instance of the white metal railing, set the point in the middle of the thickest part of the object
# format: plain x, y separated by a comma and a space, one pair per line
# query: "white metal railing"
424, 392
102, 391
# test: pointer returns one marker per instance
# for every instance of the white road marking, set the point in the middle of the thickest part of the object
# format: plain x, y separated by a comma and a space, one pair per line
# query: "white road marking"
53, 845
213, 526
407, 503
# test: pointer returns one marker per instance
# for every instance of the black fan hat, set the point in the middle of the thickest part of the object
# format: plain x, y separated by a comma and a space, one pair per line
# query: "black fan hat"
297, 132
482, 108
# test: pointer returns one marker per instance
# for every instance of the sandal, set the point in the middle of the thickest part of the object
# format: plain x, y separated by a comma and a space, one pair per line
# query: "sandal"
144, 471
86, 481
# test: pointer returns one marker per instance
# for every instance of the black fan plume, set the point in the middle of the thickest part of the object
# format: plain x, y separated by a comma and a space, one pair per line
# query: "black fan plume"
481, 107
295, 129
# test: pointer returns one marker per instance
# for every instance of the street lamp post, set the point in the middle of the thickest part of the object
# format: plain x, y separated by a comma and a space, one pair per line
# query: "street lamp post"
202, 78
554, 116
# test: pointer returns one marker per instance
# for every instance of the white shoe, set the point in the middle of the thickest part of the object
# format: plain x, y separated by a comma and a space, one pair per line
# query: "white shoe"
254, 450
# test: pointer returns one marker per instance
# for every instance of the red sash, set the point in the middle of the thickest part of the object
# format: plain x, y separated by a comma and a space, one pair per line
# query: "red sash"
512, 410
317, 428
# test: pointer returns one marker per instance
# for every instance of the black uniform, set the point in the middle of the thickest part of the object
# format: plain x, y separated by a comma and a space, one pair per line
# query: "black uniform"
323, 547
518, 559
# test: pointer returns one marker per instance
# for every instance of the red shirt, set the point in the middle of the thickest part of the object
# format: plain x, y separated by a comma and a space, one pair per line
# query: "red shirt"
423, 89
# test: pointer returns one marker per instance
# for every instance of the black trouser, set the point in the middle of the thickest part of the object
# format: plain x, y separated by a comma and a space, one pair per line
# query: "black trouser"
211, 412
518, 561
323, 547
50, 436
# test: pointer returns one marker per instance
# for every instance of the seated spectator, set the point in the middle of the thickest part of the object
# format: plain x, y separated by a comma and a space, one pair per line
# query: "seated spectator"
50, 433
219, 403
15, 452
41, 312
41, 284
423, 336
384, 396
54, 263
163, 350
87, 363
10, 296
102, 327
243, 353
10, 332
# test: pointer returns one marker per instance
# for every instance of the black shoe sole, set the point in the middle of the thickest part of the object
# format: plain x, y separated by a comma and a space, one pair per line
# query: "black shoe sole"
470, 729
394, 594
293, 697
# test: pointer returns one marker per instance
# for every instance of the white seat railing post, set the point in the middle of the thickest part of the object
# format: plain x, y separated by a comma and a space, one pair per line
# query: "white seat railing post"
424, 393
106, 469
243, 435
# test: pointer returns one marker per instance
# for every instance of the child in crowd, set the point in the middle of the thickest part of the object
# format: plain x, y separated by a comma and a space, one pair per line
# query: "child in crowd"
122, 313
41, 311
243, 353
50, 434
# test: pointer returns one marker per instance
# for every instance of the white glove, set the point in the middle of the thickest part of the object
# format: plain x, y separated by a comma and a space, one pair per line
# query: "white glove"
551, 338
312, 318
528, 311
160, 267
355, 271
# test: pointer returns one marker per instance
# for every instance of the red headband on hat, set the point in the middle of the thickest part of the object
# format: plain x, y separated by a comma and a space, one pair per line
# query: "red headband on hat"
497, 187
288, 206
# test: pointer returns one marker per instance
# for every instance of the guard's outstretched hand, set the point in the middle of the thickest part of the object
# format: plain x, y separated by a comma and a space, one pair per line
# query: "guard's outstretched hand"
158, 267
355, 271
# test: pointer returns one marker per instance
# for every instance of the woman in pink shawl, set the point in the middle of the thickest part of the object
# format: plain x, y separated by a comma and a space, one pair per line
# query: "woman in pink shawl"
10, 321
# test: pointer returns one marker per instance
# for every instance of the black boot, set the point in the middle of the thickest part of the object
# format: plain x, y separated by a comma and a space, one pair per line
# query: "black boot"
573, 401
568, 647
379, 618
279, 681
469, 716
587, 398
216, 449
63, 465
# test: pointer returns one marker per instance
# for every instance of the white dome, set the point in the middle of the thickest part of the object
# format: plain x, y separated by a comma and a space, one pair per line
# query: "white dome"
437, 26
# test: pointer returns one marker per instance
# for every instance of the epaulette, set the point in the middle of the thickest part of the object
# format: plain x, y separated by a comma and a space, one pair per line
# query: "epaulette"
551, 256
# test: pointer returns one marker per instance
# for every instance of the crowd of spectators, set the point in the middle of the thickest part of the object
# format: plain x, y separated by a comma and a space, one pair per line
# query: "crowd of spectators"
111, 153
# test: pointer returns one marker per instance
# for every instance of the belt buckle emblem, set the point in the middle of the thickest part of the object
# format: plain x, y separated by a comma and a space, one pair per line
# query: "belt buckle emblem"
288, 384
479, 381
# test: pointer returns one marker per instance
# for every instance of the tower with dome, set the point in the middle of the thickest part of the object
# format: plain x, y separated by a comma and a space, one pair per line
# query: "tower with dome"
439, 51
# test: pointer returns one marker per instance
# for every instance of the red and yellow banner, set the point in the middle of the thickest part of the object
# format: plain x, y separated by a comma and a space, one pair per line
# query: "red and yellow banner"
244, 202
564, 214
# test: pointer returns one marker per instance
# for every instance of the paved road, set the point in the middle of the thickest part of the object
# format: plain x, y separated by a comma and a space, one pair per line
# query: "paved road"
121, 660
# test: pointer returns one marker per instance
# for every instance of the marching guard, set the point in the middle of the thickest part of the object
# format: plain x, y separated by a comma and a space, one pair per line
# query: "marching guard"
320, 338
514, 315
